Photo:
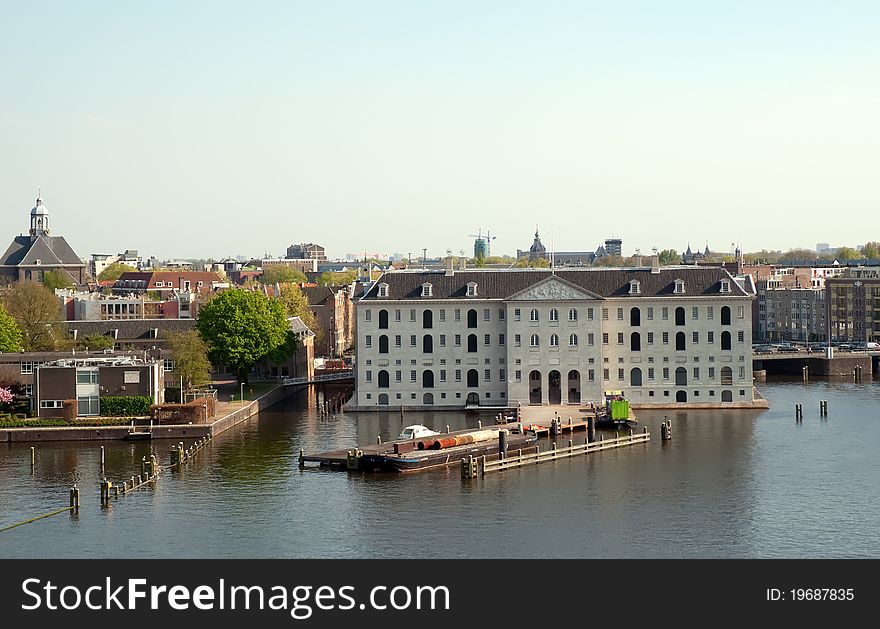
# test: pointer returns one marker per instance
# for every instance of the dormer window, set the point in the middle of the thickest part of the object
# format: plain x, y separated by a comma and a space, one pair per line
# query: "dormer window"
427, 290
472, 289
679, 287
383, 290
635, 288
725, 286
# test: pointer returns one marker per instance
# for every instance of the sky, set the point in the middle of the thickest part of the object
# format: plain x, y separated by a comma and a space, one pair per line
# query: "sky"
206, 129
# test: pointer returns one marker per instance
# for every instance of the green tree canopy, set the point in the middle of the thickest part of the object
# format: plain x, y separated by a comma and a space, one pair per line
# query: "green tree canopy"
871, 250
613, 261
10, 334
57, 279
669, 256
297, 305
190, 354
37, 311
848, 253
96, 342
243, 327
537, 263
112, 272
278, 274
337, 278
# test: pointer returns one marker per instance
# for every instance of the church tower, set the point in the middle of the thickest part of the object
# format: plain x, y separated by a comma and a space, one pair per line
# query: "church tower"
39, 219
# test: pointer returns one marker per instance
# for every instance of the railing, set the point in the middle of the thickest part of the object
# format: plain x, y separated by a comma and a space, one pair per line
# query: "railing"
339, 375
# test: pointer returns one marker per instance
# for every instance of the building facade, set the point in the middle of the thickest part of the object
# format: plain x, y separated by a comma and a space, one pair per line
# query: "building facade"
854, 302
502, 337
307, 251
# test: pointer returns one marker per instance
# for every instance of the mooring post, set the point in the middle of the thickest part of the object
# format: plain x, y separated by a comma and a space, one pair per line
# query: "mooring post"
102, 457
479, 423
379, 440
447, 429
33, 456
502, 444
302, 463
591, 429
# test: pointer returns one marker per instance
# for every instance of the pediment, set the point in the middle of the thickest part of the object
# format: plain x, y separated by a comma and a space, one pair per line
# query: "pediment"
553, 289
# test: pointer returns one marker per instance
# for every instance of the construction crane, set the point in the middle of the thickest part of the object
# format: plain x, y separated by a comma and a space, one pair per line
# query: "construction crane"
481, 244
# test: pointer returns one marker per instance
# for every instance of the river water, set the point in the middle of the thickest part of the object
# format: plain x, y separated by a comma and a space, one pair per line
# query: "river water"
730, 484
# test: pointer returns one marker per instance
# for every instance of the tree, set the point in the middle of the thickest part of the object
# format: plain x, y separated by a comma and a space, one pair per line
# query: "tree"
57, 279
190, 354
10, 334
96, 342
537, 263
614, 261
669, 256
38, 314
278, 274
799, 254
337, 278
871, 250
297, 305
848, 253
112, 272
243, 327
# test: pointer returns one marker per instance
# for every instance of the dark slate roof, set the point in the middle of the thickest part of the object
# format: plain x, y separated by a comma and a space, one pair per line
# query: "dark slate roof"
317, 295
131, 329
49, 250
502, 284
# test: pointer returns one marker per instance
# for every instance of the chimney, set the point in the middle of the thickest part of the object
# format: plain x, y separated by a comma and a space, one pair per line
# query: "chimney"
638, 261
655, 264
462, 263
450, 262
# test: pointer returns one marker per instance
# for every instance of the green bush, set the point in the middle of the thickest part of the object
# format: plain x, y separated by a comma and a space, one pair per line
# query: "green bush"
43, 423
135, 405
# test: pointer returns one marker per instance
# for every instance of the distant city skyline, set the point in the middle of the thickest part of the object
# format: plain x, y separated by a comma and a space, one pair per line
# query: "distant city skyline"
201, 130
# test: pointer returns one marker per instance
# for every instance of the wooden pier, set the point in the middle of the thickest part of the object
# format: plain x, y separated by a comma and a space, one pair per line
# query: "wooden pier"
480, 466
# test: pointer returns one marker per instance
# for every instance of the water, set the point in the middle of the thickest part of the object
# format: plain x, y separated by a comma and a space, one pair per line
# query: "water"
730, 484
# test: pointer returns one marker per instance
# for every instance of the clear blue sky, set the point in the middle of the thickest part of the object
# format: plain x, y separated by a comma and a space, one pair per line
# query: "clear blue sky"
196, 129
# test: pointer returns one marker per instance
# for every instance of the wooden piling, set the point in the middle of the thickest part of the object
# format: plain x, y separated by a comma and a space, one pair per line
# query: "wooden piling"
102, 457
502, 443
591, 429
33, 456
302, 463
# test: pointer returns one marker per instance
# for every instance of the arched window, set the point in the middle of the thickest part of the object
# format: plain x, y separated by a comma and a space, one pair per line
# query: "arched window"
383, 399
383, 344
635, 316
473, 378
681, 377
573, 340
554, 340
727, 396
533, 315
383, 379
725, 315
428, 399
554, 314
726, 375
679, 316
679, 342
428, 379
427, 319
427, 344
725, 340
635, 342
472, 343
681, 396
635, 377
573, 314
472, 318
383, 319
533, 341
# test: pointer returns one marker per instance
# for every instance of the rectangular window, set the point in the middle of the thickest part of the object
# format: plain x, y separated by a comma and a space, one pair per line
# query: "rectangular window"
369, 376
741, 336
604, 338
650, 313
604, 314
502, 375
620, 314
486, 315
710, 312
89, 405
650, 338
412, 314
696, 373
711, 373
27, 367
590, 314
397, 342
487, 340
368, 315
742, 373
666, 373
368, 341
501, 339
664, 313
620, 374
710, 336
86, 377
412, 376
666, 338
517, 375
442, 375
590, 338
740, 312
696, 337
398, 375
650, 373
458, 375
456, 315
397, 315
591, 375
442, 340
517, 340
605, 374
517, 316
458, 340
442, 314
487, 375
501, 314
412, 340
620, 338
695, 313
51, 404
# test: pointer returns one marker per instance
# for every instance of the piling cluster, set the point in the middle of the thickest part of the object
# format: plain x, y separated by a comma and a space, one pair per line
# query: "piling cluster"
666, 430
181, 456
149, 474
333, 405
799, 410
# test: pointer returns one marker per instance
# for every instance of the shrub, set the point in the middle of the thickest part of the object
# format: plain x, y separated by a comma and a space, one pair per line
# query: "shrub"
129, 406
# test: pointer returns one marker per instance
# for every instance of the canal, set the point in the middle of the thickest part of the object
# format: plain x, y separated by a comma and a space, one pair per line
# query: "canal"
731, 484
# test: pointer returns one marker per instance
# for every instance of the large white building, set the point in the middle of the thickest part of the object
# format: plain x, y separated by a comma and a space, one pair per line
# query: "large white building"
458, 338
